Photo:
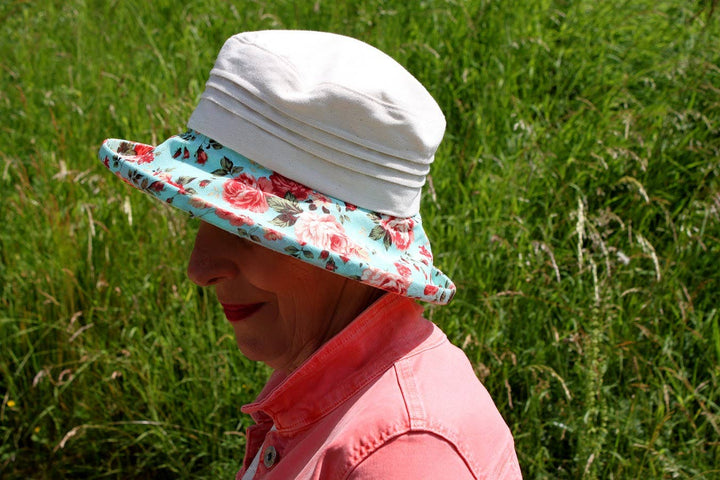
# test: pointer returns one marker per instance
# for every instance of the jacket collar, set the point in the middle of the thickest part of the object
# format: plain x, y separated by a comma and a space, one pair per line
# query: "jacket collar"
385, 332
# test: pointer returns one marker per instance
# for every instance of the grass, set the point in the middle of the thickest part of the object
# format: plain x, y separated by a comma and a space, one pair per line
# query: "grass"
575, 201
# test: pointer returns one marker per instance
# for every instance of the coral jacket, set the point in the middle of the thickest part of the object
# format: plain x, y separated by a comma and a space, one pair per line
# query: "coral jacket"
389, 397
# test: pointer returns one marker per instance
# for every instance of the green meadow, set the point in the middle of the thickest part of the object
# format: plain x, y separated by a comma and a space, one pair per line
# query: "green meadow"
575, 201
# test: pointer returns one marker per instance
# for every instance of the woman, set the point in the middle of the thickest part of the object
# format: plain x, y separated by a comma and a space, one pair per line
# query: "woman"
305, 160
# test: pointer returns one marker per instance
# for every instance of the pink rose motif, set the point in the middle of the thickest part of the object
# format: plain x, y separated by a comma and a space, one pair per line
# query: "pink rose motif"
324, 232
385, 280
245, 192
426, 253
430, 290
142, 149
282, 185
235, 219
167, 178
403, 270
157, 186
272, 235
144, 153
198, 202
202, 157
400, 231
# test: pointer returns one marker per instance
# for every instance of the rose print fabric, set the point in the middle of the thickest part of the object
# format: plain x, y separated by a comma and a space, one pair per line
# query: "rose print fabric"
220, 186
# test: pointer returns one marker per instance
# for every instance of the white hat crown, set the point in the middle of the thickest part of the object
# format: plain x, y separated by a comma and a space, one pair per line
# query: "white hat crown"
328, 111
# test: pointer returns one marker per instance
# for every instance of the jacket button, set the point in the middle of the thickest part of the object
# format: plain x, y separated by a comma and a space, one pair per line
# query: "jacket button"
270, 457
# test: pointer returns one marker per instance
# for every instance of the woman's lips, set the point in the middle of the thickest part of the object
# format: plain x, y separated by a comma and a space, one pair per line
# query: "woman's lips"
236, 313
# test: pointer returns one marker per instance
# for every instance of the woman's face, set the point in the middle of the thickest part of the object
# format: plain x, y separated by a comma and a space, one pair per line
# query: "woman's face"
282, 309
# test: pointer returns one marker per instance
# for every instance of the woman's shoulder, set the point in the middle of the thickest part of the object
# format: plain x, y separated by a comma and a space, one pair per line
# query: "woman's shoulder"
433, 395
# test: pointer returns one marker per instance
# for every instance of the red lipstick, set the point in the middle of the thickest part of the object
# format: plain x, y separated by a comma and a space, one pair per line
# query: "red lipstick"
237, 313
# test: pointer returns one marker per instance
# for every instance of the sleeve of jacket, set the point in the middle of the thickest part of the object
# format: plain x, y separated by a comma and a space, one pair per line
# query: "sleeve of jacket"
413, 456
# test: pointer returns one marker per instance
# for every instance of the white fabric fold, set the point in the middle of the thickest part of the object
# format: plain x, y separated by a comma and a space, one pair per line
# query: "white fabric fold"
325, 110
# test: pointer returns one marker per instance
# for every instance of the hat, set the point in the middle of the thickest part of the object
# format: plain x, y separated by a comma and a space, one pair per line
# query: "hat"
312, 144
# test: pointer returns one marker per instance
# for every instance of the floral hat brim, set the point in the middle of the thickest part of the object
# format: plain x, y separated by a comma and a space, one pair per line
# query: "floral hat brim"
218, 185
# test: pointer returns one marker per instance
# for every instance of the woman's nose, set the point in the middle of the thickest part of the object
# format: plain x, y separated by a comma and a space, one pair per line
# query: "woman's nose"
210, 262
